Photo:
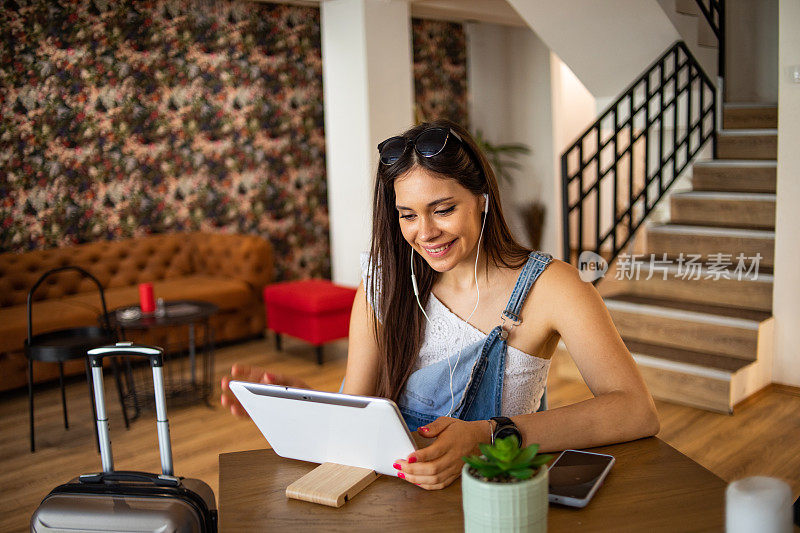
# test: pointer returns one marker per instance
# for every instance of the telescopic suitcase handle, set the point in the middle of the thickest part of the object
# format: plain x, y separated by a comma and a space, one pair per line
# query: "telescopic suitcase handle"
157, 479
156, 356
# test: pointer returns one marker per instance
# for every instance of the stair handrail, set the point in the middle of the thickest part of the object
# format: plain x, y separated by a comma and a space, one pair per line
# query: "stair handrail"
714, 13
673, 83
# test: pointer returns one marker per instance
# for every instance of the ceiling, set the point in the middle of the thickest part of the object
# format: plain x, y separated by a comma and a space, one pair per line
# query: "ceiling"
492, 11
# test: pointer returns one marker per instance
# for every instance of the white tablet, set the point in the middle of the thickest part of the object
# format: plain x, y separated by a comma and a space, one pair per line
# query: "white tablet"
327, 427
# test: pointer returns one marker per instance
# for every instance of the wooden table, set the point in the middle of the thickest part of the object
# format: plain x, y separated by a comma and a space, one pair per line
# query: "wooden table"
652, 487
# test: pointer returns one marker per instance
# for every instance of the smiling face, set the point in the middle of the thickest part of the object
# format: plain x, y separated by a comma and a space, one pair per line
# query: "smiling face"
439, 218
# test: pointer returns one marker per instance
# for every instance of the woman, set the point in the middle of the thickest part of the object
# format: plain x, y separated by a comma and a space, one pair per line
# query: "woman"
441, 250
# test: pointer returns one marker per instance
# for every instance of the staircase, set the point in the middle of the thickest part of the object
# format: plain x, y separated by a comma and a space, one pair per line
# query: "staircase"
690, 286
694, 29
704, 342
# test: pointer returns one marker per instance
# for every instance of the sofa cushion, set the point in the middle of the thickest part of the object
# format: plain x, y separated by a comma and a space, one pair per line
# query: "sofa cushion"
224, 255
122, 263
228, 270
153, 258
225, 293
47, 316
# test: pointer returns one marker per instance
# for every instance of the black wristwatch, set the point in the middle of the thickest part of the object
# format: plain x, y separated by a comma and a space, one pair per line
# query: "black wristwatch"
505, 428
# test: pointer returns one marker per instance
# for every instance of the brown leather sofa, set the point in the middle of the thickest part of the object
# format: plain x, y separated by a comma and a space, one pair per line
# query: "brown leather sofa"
227, 270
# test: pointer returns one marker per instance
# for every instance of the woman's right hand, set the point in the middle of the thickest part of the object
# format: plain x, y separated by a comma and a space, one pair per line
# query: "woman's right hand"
253, 374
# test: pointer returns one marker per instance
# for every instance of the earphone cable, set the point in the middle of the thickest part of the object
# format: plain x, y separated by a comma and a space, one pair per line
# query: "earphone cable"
477, 301
450, 367
416, 290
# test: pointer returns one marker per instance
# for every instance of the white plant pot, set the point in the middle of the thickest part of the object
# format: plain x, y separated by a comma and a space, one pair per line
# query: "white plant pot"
505, 507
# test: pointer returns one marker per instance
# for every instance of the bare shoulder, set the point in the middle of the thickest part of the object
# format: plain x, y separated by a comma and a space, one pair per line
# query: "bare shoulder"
560, 290
561, 280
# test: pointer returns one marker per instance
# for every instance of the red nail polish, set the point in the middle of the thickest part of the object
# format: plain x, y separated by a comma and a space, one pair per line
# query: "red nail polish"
396, 466
412, 459
401, 475
424, 428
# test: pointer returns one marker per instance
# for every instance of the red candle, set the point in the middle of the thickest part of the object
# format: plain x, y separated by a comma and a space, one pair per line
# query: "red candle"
147, 301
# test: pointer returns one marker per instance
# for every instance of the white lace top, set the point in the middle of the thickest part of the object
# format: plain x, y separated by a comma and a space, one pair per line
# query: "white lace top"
525, 375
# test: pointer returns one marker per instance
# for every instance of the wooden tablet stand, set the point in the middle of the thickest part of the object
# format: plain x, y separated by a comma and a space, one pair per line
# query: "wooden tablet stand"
331, 484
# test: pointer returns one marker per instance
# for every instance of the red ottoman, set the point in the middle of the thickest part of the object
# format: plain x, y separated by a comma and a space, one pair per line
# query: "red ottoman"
314, 310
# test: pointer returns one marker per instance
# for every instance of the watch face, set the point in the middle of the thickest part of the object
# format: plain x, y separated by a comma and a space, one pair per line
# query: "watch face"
506, 432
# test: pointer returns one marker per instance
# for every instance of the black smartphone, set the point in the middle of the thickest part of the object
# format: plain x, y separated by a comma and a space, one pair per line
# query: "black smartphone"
575, 476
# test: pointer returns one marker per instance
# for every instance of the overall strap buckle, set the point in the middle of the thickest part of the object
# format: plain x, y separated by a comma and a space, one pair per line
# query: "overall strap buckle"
514, 322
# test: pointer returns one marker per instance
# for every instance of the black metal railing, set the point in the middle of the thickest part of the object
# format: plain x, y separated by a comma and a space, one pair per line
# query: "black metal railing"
615, 173
714, 13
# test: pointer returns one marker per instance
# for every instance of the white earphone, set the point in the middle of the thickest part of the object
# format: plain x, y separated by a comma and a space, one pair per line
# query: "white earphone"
477, 300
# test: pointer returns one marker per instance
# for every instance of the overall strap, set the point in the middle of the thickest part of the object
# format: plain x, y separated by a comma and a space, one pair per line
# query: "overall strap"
536, 264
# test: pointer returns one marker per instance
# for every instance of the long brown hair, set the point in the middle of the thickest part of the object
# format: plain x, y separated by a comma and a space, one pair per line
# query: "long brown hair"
400, 325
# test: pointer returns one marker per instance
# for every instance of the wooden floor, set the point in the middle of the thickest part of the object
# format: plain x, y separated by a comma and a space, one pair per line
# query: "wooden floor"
761, 438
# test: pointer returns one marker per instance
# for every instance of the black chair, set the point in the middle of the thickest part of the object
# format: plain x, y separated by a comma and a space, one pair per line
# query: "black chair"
66, 345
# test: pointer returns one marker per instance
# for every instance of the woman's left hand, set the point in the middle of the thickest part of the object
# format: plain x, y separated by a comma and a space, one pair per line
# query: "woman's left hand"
438, 465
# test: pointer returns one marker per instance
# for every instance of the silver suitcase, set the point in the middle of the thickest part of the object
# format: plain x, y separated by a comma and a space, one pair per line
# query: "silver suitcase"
122, 501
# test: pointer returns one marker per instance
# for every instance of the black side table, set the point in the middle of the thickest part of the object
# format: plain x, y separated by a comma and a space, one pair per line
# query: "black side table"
183, 383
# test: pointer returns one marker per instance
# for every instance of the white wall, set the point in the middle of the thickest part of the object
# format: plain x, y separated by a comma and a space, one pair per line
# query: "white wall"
521, 92
509, 83
606, 44
574, 109
368, 96
487, 70
751, 51
786, 288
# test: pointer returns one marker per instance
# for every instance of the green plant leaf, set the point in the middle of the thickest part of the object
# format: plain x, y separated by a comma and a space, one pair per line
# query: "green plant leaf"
525, 456
512, 148
476, 462
505, 466
506, 456
522, 473
496, 154
489, 452
489, 472
541, 459
508, 443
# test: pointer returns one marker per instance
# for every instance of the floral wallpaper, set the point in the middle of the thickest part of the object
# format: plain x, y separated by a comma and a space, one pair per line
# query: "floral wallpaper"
440, 70
121, 119
124, 118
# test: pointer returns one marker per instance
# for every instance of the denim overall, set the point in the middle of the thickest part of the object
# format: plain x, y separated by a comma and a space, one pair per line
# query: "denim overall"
478, 376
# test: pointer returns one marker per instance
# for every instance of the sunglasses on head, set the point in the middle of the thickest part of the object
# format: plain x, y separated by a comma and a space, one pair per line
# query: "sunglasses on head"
428, 143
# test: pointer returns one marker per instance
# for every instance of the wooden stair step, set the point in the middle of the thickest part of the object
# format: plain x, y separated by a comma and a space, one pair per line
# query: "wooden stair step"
734, 175
747, 144
690, 384
695, 307
704, 380
702, 286
697, 379
730, 209
705, 35
750, 116
687, 7
688, 330
718, 362
675, 239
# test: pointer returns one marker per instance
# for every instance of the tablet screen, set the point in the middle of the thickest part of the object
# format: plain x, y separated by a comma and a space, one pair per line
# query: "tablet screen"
324, 427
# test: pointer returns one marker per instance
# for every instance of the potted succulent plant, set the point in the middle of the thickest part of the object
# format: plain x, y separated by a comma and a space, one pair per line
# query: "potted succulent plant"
505, 489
